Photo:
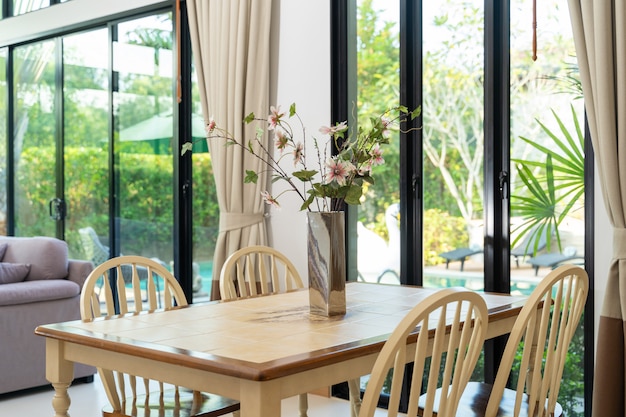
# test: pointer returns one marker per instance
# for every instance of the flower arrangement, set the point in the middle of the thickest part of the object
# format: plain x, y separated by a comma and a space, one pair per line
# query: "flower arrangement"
337, 180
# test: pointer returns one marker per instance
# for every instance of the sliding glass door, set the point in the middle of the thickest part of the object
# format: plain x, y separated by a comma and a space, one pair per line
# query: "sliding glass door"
143, 121
85, 146
489, 193
35, 138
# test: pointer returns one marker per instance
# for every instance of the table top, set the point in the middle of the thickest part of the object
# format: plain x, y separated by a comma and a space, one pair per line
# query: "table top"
265, 337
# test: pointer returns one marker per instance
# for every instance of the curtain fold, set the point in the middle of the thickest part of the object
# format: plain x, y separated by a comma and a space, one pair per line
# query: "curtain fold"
230, 43
600, 36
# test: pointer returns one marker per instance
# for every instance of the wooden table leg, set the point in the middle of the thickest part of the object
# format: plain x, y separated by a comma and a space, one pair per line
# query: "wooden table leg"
354, 386
260, 399
60, 373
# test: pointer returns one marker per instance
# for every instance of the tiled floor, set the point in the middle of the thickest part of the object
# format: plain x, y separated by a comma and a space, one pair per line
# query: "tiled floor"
88, 400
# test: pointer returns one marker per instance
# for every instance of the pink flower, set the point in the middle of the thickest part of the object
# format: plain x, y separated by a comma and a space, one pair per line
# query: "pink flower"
211, 126
386, 122
274, 118
338, 171
339, 127
365, 169
269, 199
376, 155
280, 139
297, 153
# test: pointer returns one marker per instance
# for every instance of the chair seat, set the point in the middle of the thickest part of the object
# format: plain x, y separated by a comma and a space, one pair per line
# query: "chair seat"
188, 404
476, 396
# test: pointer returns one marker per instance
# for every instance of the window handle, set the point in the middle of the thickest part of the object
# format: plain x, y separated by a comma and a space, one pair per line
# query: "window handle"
504, 184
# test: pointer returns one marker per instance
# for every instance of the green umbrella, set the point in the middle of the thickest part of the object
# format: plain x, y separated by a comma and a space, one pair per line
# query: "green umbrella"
158, 131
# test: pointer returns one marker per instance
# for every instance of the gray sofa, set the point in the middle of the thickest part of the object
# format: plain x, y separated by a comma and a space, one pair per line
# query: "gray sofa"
38, 285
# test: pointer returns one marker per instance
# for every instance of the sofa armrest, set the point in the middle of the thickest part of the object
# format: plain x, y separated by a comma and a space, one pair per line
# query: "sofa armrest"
79, 271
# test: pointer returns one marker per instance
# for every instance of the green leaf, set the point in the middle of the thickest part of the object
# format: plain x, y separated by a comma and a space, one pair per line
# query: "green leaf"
292, 109
305, 205
187, 147
353, 195
249, 118
305, 175
251, 177
415, 113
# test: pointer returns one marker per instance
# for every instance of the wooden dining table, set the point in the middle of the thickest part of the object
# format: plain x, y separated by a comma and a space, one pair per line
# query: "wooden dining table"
257, 350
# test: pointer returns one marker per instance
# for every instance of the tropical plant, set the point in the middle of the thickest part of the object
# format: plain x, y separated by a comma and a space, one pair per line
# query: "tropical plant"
550, 190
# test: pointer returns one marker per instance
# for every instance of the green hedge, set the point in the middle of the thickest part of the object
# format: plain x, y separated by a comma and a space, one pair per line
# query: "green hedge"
145, 194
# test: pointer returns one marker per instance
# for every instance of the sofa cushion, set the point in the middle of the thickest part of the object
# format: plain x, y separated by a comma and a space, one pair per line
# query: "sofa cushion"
3, 249
10, 273
35, 291
47, 256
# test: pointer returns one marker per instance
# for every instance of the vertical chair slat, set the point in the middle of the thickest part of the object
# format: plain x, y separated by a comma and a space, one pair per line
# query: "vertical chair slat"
118, 385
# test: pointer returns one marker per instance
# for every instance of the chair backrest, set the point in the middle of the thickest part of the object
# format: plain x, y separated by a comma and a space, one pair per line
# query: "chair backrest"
95, 251
159, 290
146, 286
257, 270
452, 327
545, 325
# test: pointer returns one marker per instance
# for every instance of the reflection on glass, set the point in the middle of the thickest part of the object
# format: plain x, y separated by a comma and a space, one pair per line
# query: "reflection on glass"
34, 132
3, 141
25, 6
143, 134
378, 242
86, 145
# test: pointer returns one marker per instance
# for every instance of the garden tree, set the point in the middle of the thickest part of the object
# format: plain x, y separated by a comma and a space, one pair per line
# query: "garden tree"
34, 87
453, 103
377, 69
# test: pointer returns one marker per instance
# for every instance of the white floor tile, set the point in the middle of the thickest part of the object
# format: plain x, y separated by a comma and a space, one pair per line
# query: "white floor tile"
88, 400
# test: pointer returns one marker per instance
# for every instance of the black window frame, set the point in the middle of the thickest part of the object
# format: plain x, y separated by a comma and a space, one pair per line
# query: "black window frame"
496, 165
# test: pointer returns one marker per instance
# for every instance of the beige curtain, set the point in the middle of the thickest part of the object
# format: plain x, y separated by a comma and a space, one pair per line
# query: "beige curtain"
600, 35
230, 43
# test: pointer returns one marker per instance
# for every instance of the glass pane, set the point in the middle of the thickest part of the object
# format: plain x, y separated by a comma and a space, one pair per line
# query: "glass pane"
144, 129
25, 6
205, 206
378, 60
86, 153
547, 128
547, 221
4, 53
34, 145
453, 61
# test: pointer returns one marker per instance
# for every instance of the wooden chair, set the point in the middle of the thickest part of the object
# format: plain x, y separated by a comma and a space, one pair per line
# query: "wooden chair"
260, 270
269, 270
542, 336
141, 296
452, 327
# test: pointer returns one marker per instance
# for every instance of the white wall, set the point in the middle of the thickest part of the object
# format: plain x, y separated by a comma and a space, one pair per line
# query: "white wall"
301, 76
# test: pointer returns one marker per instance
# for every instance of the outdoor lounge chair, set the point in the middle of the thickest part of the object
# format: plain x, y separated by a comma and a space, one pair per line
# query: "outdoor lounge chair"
553, 260
459, 254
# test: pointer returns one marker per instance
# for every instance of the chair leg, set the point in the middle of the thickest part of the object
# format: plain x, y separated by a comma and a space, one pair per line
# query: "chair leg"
354, 386
303, 403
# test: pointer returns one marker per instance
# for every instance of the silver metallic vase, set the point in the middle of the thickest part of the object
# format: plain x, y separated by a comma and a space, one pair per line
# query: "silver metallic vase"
327, 263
